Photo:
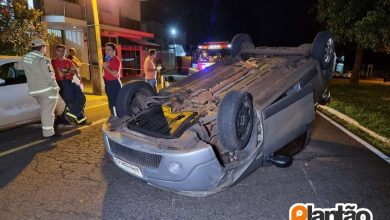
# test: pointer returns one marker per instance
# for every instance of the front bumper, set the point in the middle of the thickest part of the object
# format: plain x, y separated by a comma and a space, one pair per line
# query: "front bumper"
194, 171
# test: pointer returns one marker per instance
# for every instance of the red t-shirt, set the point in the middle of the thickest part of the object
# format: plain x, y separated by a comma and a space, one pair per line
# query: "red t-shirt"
60, 64
115, 65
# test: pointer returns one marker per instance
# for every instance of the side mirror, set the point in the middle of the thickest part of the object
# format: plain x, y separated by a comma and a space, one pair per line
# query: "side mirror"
2, 82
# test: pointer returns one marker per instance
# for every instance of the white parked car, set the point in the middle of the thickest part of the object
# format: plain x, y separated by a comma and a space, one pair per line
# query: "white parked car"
16, 106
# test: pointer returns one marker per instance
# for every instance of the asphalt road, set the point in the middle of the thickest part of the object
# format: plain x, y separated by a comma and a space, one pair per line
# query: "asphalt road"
72, 178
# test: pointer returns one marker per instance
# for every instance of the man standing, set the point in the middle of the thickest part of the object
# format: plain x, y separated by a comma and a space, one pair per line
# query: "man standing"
77, 63
42, 85
70, 91
150, 69
72, 57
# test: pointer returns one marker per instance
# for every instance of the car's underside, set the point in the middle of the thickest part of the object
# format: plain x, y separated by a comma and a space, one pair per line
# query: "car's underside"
249, 110
192, 104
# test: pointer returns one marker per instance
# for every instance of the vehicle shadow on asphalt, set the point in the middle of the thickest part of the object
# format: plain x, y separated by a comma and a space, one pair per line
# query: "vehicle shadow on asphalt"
13, 163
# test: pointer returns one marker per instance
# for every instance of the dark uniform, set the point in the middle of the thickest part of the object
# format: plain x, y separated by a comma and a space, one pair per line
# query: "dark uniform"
70, 91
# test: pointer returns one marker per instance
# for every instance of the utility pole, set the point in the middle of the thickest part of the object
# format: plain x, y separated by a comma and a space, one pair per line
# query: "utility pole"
94, 46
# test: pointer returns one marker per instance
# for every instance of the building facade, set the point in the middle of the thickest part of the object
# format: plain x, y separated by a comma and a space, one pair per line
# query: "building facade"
120, 23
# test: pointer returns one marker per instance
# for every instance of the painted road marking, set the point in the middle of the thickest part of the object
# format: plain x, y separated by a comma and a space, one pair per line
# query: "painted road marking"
13, 150
358, 139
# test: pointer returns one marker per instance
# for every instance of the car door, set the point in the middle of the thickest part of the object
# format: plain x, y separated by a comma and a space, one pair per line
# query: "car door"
16, 106
288, 118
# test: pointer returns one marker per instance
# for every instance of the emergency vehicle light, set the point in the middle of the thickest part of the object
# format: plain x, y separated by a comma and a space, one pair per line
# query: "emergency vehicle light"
214, 46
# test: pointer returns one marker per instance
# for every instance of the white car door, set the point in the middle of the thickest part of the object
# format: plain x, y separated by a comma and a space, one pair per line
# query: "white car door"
16, 106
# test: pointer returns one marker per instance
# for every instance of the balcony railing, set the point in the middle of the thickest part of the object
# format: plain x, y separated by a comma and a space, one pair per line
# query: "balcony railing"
63, 8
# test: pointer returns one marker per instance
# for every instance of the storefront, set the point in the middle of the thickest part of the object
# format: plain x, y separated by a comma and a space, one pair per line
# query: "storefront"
132, 47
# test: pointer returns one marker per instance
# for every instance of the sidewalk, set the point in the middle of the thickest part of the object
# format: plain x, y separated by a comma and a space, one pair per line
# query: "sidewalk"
93, 100
126, 79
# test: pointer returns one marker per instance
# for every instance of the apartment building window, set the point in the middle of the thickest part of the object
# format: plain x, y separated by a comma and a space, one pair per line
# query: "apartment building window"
74, 36
34, 4
6, 12
30, 4
55, 32
4, 2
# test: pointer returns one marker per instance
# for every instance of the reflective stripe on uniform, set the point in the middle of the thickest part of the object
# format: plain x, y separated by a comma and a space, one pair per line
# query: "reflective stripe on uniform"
47, 128
81, 120
36, 54
40, 91
53, 97
71, 115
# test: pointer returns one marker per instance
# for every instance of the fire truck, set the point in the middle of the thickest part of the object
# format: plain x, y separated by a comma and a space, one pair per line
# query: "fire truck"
209, 53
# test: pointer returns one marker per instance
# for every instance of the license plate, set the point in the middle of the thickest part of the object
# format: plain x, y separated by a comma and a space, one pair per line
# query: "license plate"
128, 167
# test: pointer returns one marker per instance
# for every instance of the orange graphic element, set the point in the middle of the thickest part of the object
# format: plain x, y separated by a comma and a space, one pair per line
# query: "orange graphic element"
298, 212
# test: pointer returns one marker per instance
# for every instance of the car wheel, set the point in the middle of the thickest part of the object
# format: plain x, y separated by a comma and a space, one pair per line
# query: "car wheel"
240, 42
297, 145
235, 120
323, 49
132, 97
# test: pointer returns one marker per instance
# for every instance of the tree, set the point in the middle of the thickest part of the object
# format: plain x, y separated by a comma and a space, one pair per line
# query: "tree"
365, 23
18, 26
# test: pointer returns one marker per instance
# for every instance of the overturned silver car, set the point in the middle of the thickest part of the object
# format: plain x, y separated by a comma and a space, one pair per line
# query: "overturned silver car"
203, 134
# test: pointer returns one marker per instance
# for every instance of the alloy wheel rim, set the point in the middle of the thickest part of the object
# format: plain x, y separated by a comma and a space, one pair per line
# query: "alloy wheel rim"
243, 120
329, 50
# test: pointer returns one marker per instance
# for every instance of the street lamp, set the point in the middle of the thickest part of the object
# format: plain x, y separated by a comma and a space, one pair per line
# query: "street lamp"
173, 33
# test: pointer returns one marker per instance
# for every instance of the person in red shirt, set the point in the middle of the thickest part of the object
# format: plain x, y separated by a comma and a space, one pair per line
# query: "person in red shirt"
70, 91
111, 70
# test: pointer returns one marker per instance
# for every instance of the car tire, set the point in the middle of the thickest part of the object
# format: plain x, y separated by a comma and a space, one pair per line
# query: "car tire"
323, 49
235, 120
127, 102
297, 145
239, 42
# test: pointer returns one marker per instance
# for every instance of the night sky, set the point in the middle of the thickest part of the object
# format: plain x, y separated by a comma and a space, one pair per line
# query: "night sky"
272, 22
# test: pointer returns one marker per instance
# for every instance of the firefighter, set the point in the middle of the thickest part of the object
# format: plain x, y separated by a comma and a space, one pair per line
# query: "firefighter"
66, 75
42, 85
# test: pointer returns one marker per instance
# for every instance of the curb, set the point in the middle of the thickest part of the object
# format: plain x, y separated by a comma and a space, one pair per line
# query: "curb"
355, 123
358, 139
